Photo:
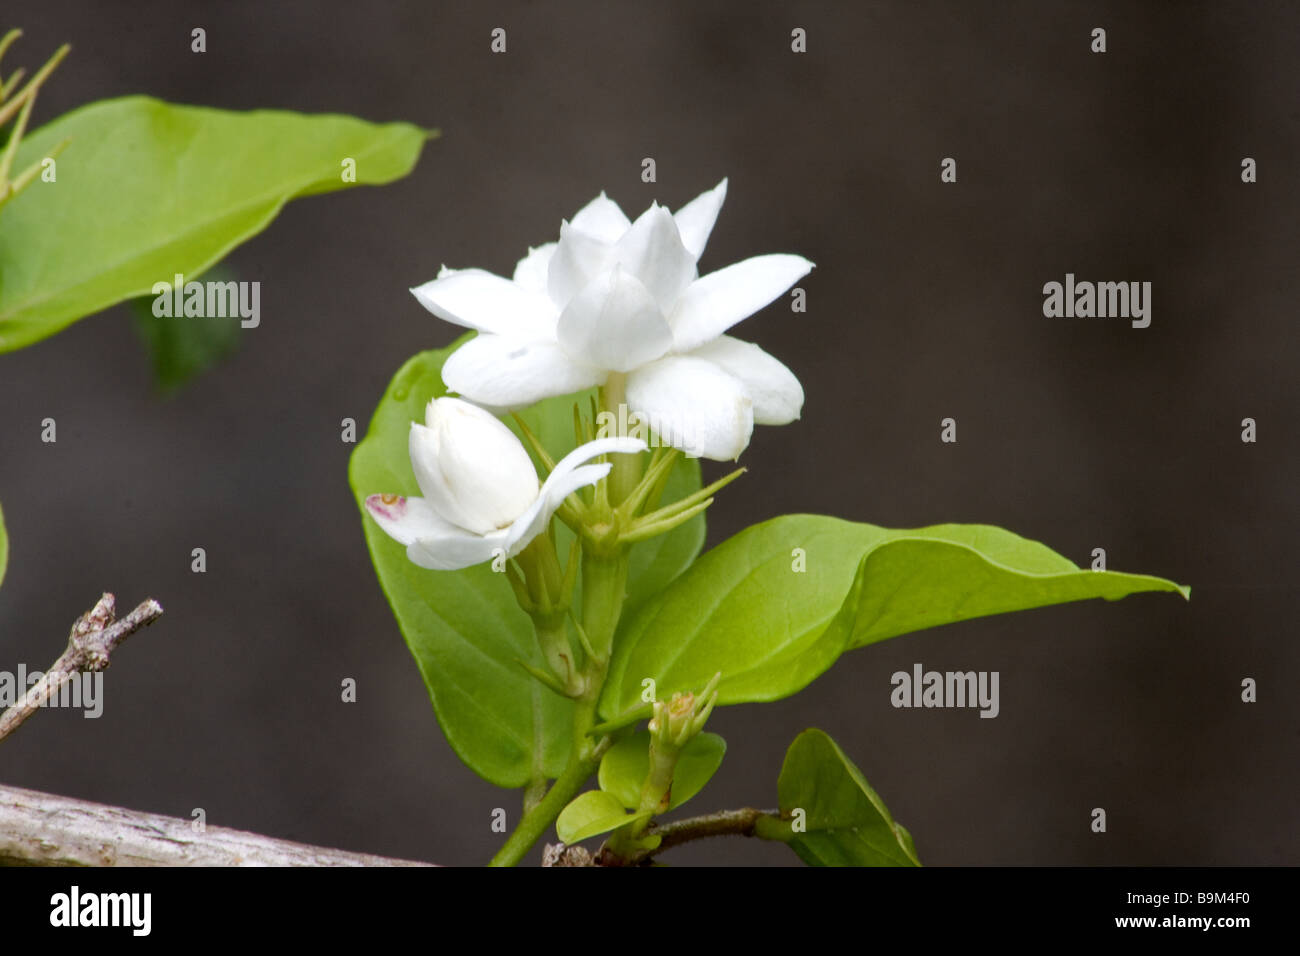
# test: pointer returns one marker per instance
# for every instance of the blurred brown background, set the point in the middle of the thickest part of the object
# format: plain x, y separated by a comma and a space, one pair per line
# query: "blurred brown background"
926, 303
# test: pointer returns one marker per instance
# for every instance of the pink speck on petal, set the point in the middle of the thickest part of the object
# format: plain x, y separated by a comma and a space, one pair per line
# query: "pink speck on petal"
392, 507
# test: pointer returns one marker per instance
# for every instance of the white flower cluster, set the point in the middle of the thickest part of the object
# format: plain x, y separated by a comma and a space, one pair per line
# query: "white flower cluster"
612, 300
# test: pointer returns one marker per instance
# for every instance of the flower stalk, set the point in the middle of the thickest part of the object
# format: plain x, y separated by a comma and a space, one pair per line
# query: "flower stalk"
672, 727
604, 562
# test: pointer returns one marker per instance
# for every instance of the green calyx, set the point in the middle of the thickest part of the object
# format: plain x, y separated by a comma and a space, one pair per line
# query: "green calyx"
20, 105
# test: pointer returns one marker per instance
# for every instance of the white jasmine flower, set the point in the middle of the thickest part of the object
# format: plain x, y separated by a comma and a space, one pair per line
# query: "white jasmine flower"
614, 297
481, 493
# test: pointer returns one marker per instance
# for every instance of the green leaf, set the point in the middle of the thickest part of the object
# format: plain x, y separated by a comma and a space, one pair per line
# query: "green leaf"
746, 610
625, 765
846, 822
464, 628
4, 547
181, 347
905, 838
147, 190
592, 813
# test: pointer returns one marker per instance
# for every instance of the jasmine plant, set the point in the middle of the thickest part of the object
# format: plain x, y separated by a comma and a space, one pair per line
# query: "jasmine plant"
544, 566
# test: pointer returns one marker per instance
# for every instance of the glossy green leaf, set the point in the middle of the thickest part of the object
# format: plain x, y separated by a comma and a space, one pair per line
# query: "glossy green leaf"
846, 823
591, 814
905, 838
4, 547
625, 765
463, 627
146, 190
182, 347
746, 609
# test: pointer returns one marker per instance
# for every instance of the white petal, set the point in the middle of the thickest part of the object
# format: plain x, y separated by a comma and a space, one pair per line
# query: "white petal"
579, 257
694, 405
480, 300
454, 549
530, 272
776, 393
533, 521
404, 519
614, 323
653, 252
592, 449
438, 545
424, 445
507, 373
568, 475
695, 220
717, 301
602, 219
472, 469
430, 541
559, 487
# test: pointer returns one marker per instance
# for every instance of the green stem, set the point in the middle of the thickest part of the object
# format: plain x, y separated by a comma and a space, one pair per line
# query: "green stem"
746, 822
604, 586
626, 471
553, 636
654, 793
604, 589
771, 827
764, 824
536, 821
659, 780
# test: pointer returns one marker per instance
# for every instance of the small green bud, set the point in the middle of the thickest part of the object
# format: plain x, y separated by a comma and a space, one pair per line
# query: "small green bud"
677, 721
